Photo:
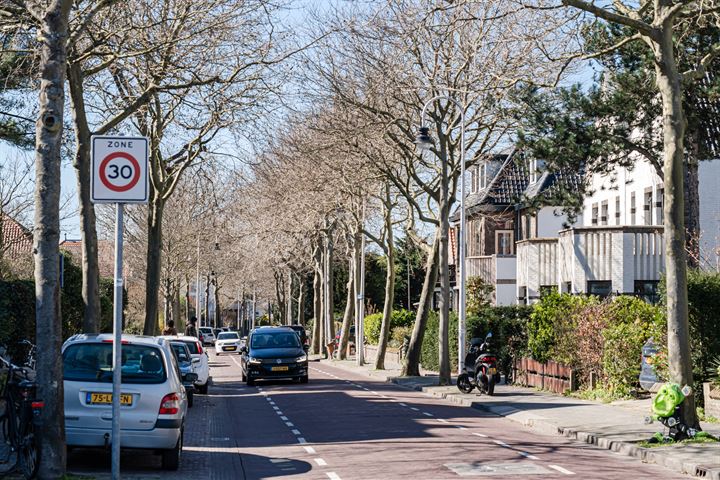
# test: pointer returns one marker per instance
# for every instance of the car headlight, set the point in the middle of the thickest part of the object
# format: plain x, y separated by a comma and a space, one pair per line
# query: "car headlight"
254, 361
301, 359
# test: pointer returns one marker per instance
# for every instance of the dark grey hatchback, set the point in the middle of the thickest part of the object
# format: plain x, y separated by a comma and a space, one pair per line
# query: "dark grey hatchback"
273, 353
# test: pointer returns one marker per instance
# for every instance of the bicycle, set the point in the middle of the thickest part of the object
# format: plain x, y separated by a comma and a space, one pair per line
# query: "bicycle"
19, 420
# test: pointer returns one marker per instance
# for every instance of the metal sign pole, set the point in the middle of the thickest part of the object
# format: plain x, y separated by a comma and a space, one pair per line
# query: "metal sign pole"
117, 343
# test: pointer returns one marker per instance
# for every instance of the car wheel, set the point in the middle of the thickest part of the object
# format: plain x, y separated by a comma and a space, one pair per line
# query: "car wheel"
190, 398
203, 388
249, 381
216, 354
171, 457
304, 379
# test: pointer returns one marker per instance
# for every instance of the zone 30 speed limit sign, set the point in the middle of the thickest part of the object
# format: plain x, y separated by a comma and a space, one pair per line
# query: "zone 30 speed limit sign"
119, 169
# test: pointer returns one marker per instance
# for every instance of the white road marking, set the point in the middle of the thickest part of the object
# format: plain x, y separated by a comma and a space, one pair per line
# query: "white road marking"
461, 427
296, 432
333, 476
276, 407
373, 391
427, 414
402, 404
320, 462
289, 424
414, 408
301, 440
284, 418
501, 443
479, 434
310, 450
367, 389
561, 469
527, 455
442, 420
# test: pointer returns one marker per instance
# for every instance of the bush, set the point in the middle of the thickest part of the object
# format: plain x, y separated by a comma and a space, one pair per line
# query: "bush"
552, 325
398, 334
704, 310
372, 324
630, 323
429, 356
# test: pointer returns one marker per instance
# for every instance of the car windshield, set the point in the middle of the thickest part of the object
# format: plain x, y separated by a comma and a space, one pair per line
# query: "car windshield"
275, 340
228, 336
192, 346
92, 362
181, 351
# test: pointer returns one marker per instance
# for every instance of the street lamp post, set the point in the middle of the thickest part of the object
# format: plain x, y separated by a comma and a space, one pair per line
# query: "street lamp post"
424, 142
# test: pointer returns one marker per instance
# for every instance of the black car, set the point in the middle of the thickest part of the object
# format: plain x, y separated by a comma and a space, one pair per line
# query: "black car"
273, 353
300, 330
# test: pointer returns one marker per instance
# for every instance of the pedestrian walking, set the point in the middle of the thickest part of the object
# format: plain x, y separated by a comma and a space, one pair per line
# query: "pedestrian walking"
170, 328
190, 329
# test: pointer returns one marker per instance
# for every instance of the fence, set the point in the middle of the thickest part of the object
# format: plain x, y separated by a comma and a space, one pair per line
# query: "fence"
551, 376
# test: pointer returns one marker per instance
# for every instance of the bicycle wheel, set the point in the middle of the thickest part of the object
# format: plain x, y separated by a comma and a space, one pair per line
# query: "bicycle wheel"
29, 453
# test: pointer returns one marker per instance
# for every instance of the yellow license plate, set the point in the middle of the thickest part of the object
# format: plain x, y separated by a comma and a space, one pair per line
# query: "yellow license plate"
106, 398
492, 371
229, 348
280, 369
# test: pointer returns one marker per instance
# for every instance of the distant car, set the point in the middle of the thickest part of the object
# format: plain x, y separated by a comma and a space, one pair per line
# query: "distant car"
153, 399
199, 359
273, 353
227, 342
216, 332
185, 362
302, 333
208, 337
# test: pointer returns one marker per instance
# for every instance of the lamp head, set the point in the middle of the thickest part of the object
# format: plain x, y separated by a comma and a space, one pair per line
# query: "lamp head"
423, 140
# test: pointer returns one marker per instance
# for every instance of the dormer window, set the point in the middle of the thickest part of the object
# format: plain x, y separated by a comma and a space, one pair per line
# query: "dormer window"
534, 169
483, 176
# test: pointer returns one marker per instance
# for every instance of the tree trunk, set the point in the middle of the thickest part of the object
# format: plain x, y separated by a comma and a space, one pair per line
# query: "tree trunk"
301, 300
176, 316
348, 315
389, 286
443, 256
217, 319
206, 307
46, 237
330, 293
317, 301
411, 363
289, 299
187, 300
692, 202
668, 81
166, 302
154, 262
88, 232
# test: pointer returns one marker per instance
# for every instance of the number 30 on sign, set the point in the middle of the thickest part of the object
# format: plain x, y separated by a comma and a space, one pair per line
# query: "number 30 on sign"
119, 169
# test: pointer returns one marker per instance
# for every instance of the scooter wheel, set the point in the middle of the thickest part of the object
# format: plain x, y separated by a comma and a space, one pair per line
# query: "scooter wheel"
463, 383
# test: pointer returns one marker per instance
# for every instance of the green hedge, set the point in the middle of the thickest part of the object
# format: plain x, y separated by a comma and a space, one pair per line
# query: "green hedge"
372, 324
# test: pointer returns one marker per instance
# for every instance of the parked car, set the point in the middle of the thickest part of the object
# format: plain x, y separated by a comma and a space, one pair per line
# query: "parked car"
208, 337
199, 359
184, 360
273, 353
227, 342
302, 333
153, 399
216, 332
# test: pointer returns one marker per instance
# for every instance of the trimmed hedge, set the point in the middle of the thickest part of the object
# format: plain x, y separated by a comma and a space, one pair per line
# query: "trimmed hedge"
372, 324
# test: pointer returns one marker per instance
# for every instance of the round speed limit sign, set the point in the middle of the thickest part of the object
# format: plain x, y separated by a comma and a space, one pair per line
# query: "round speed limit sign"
119, 169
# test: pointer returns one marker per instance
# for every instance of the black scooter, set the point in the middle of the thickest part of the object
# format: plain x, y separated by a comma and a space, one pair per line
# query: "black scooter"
480, 368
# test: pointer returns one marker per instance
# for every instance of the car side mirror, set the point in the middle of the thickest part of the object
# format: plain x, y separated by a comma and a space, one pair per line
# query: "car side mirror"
190, 377
196, 360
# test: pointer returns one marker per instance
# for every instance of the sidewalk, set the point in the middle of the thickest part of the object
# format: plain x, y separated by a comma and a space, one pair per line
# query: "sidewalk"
617, 426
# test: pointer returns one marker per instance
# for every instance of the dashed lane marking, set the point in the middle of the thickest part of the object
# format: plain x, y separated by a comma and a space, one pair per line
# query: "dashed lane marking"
427, 414
333, 476
527, 455
402, 404
415, 408
501, 443
561, 469
442, 420
309, 450
301, 440
479, 434
289, 424
320, 462
296, 432
283, 418
461, 427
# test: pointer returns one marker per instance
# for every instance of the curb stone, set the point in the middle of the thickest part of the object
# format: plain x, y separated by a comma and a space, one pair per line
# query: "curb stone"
543, 426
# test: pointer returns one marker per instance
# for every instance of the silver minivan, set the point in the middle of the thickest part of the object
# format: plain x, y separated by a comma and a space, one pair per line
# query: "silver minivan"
153, 399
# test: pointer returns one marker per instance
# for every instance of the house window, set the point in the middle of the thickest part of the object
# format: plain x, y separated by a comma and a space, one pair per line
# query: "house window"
632, 208
600, 288
522, 295
533, 169
483, 171
504, 242
604, 213
659, 220
647, 290
547, 290
474, 179
567, 287
595, 214
617, 210
647, 203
